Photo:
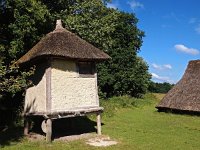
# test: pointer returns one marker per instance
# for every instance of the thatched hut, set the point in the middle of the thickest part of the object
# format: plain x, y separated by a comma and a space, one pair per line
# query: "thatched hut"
65, 79
185, 95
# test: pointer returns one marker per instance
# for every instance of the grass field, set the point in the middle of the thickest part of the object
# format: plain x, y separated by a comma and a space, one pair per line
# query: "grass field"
136, 125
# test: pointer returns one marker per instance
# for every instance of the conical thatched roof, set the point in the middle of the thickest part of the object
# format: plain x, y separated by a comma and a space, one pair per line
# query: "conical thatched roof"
185, 95
63, 43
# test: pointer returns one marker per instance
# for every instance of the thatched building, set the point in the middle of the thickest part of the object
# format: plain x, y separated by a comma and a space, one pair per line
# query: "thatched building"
65, 79
185, 95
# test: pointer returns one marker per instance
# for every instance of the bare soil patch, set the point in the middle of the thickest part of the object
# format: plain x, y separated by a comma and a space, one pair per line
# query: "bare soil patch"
101, 141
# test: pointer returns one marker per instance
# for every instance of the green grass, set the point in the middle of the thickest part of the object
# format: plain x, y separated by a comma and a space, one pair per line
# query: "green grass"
136, 125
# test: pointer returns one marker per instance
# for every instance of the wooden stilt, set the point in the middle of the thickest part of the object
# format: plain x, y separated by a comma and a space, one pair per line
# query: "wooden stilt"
26, 125
49, 130
98, 124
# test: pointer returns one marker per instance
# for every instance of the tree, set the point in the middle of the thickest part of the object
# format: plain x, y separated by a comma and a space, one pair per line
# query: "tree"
113, 31
117, 34
21, 25
160, 87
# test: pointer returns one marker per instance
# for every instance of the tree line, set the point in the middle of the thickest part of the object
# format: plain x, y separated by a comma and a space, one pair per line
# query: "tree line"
160, 87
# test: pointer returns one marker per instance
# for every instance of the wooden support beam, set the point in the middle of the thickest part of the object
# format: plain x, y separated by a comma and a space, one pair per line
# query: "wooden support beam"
48, 87
98, 123
26, 125
49, 130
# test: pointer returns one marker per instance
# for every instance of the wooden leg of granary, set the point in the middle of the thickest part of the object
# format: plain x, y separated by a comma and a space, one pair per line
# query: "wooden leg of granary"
99, 123
26, 125
49, 130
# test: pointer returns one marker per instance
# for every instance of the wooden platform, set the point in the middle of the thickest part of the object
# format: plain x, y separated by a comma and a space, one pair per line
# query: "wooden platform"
66, 114
49, 116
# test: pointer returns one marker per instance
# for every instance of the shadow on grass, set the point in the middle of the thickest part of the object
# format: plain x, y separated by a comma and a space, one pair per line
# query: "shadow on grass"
12, 134
73, 126
66, 126
61, 128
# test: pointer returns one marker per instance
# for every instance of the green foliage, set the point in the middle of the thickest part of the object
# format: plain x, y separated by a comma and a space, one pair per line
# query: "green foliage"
19, 32
13, 80
23, 26
23, 23
117, 34
109, 29
114, 104
160, 87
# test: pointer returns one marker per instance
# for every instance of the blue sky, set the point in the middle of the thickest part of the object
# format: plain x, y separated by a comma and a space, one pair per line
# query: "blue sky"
172, 34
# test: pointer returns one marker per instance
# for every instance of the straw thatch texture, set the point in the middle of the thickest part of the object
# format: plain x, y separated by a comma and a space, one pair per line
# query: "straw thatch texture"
185, 95
63, 43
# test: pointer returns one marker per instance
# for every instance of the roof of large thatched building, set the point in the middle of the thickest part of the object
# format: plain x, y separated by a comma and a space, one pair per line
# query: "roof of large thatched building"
185, 95
63, 43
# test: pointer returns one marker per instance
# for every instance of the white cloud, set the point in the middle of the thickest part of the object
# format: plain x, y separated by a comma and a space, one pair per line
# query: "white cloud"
197, 29
112, 5
155, 76
167, 66
173, 16
161, 67
161, 78
183, 48
156, 66
192, 20
135, 4
196, 22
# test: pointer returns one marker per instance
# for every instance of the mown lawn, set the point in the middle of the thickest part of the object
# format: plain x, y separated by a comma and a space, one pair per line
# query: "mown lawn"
136, 125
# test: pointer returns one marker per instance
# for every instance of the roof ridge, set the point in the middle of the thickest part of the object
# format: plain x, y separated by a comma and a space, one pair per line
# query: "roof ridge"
60, 28
59, 24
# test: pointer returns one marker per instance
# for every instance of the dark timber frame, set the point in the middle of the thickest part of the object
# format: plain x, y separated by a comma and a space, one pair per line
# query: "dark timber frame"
48, 86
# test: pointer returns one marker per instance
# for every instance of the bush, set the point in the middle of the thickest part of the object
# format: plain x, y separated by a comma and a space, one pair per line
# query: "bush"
116, 103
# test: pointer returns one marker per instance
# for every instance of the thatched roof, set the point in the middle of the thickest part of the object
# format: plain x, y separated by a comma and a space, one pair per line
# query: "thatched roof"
63, 43
185, 95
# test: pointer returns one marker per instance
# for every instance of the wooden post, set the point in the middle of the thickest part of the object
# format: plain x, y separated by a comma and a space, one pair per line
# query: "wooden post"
98, 123
26, 125
49, 130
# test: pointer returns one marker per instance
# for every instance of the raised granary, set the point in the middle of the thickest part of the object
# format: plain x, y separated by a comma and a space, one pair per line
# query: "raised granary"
185, 95
65, 79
